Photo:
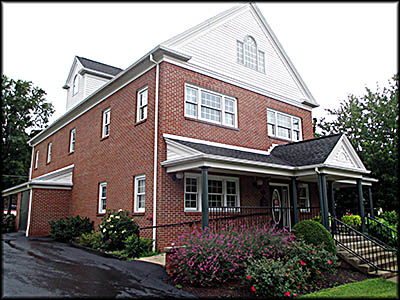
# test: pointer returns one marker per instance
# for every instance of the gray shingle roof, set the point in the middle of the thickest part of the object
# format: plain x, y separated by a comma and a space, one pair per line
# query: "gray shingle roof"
100, 67
309, 152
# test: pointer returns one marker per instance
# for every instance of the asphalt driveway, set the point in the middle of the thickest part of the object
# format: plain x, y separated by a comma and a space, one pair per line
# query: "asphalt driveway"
44, 268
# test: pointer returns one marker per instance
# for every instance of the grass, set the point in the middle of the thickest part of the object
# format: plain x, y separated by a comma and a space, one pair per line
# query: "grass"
370, 288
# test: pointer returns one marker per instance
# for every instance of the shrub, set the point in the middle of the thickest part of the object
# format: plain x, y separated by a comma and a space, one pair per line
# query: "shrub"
315, 234
91, 239
392, 217
210, 258
65, 229
383, 234
352, 220
291, 273
317, 219
8, 223
116, 227
133, 248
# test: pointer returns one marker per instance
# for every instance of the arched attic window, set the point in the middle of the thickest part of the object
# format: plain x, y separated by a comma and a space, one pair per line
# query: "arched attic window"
75, 85
248, 55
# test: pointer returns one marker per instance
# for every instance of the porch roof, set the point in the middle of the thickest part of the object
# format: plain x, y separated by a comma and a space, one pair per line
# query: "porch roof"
332, 155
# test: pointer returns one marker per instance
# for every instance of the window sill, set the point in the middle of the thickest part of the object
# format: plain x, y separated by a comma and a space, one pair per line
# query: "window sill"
140, 122
192, 213
283, 139
210, 123
70, 153
100, 214
104, 138
138, 214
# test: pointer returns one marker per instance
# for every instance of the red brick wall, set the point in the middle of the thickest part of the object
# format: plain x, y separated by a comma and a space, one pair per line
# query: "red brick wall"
127, 152
48, 204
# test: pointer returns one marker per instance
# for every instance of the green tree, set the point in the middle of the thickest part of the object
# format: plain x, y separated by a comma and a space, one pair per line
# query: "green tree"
371, 124
24, 112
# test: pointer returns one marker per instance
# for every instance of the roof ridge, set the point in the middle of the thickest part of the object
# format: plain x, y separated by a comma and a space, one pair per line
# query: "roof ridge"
80, 57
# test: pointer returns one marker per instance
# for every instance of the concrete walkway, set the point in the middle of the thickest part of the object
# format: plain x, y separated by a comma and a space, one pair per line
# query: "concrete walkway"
394, 279
155, 259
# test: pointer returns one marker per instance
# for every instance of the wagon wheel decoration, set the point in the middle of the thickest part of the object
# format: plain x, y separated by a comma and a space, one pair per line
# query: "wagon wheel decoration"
276, 206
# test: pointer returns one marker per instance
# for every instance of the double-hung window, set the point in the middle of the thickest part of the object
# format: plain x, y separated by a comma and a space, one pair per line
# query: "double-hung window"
106, 123
102, 197
140, 193
222, 192
72, 140
283, 126
37, 159
49, 148
248, 55
142, 96
210, 106
304, 198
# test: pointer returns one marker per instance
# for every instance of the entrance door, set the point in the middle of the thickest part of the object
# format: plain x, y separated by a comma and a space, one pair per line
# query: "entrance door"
280, 205
23, 211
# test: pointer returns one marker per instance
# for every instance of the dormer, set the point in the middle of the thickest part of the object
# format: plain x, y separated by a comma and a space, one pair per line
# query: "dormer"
85, 77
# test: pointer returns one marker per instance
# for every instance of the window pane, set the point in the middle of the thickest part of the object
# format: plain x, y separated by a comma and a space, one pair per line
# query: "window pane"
229, 105
283, 132
143, 98
229, 119
239, 52
284, 121
191, 109
271, 117
141, 201
261, 63
250, 53
215, 186
296, 135
302, 192
191, 200
296, 124
271, 129
191, 185
191, 94
141, 186
210, 114
231, 200
231, 187
211, 100
103, 191
214, 200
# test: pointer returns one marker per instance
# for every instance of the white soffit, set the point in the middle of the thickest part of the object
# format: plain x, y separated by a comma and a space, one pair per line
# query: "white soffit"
60, 176
344, 155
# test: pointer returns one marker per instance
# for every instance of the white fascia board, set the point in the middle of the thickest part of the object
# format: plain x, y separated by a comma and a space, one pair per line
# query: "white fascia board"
353, 182
140, 67
61, 171
15, 189
51, 185
208, 143
96, 73
238, 83
286, 57
66, 86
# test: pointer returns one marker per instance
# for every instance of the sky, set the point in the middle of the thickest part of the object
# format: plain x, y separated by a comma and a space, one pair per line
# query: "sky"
337, 48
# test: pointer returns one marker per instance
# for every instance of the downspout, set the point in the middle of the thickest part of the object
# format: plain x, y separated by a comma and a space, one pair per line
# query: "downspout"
30, 194
155, 151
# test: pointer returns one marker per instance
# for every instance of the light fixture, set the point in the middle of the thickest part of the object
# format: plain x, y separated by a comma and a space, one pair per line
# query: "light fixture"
259, 182
179, 175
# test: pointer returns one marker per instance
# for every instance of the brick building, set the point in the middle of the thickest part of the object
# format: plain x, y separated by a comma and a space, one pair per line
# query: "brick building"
216, 116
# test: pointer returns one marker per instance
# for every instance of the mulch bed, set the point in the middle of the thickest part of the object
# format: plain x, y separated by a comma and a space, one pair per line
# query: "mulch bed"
344, 274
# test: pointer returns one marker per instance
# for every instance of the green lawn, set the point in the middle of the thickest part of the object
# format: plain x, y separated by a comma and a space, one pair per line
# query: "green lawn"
370, 288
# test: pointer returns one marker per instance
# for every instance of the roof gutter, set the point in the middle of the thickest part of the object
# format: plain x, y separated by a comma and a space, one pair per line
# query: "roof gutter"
155, 149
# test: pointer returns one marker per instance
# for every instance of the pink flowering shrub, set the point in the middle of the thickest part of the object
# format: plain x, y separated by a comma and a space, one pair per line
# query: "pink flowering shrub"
292, 273
210, 258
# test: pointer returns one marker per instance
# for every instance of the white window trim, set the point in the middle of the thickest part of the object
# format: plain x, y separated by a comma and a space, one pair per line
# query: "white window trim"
37, 159
101, 198
136, 209
243, 62
276, 135
222, 110
138, 119
103, 134
75, 85
72, 138
49, 148
199, 190
308, 205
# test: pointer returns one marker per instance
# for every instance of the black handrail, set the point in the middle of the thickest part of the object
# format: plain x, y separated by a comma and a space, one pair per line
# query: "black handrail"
382, 255
375, 220
390, 240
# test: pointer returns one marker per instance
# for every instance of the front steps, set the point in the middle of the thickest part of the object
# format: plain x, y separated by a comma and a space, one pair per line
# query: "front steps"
370, 251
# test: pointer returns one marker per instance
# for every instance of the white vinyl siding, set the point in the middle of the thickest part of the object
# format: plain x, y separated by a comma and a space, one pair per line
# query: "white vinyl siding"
106, 123
72, 140
140, 193
49, 148
222, 191
283, 126
142, 97
102, 197
304, 198
210, 106
216, 50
